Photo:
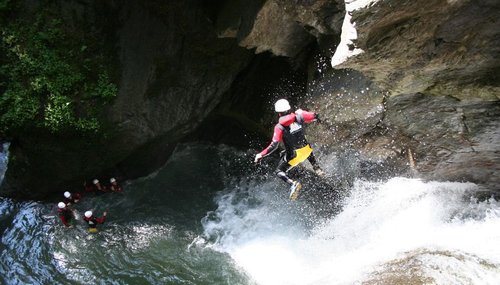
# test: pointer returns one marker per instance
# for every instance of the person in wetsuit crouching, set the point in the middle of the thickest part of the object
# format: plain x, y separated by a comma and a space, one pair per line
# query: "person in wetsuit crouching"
290, 130
94, 221
65, 214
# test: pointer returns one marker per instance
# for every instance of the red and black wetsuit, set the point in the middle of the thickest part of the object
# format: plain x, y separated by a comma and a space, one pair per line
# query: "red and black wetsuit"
115, 187
93, 221
96, 188
100, 188
74, 198
65, 215
290, 130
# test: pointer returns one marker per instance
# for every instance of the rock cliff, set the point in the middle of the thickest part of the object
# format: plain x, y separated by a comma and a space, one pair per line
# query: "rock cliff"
437, 62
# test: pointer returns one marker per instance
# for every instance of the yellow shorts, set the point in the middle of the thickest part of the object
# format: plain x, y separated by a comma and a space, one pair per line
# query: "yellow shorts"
301, 154
92, 230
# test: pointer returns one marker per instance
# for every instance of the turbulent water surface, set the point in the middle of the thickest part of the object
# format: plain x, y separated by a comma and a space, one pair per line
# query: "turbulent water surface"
203, 220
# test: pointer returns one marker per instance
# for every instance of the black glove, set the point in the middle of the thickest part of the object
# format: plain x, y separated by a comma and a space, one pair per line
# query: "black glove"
316, 117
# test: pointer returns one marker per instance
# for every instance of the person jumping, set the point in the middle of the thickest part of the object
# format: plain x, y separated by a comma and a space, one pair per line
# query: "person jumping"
289, 130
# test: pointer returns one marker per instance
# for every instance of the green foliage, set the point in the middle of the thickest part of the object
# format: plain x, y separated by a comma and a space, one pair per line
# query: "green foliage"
50, 77
4, 4
104, 89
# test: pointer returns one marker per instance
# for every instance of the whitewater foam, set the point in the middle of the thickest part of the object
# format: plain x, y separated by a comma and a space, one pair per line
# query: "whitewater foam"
436, 228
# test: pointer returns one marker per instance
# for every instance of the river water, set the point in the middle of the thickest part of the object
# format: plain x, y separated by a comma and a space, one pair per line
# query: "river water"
210, 217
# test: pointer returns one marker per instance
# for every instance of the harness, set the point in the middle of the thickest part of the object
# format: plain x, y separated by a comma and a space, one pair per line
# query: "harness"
296, 146
92, 222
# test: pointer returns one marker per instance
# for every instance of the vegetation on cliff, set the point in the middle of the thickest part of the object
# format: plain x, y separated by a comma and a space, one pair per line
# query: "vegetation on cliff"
53, 73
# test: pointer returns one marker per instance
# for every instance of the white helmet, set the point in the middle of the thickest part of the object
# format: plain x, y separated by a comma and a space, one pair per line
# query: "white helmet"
112, 180
61, 205
96, 181
282, 105
67, 194
88, 214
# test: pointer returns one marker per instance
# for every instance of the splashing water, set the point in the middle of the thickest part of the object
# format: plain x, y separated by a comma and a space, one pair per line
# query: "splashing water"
398, 232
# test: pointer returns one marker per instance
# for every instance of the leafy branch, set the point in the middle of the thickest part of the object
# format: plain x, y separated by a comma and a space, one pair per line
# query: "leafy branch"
50, 77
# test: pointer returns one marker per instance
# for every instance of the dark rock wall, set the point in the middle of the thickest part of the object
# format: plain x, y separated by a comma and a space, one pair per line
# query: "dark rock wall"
282, 27
174, 72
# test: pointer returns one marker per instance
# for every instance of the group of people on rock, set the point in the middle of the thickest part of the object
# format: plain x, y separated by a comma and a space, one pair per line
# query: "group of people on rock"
67, 213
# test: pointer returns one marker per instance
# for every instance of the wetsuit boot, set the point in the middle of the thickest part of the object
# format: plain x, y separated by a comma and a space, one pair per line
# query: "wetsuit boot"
295, 186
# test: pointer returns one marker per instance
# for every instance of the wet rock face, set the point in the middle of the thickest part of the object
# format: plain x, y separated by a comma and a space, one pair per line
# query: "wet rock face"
174, 72
450, 139
438, 63
349, 104
437, 47
282, 27
375, 135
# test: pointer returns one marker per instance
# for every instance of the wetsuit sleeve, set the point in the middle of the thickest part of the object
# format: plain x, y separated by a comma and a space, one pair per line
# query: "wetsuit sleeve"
277, 137
308, 116
101, 220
